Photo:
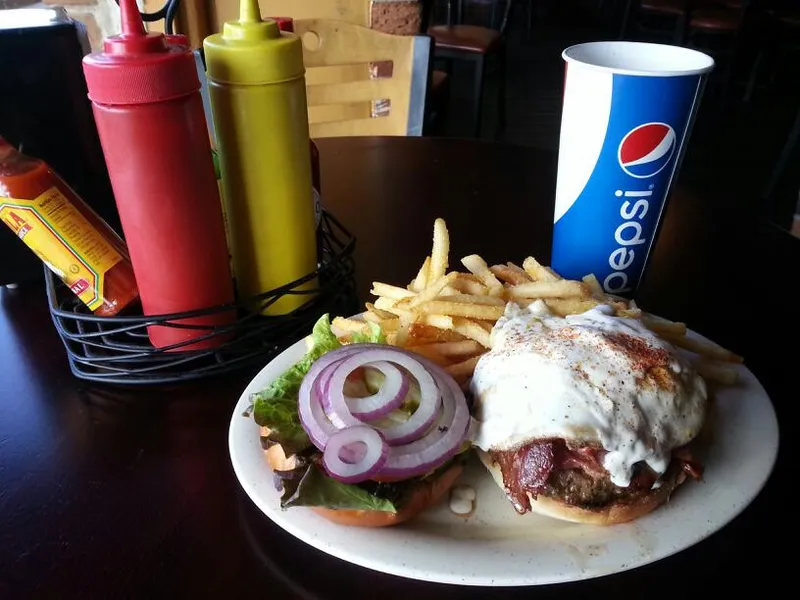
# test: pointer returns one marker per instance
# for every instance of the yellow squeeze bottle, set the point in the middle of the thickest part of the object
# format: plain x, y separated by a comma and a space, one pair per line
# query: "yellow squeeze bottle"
256, 82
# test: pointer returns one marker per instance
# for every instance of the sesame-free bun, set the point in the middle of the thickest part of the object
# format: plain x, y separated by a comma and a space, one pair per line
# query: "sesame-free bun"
612, 514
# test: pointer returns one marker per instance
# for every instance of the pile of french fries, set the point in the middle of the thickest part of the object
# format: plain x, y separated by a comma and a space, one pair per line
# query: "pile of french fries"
447, 316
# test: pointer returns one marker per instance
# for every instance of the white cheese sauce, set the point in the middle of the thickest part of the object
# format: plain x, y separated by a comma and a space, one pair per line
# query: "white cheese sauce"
591, 377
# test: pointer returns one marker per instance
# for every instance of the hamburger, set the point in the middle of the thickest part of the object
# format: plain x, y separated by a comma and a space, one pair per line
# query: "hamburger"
362, 433
587, 418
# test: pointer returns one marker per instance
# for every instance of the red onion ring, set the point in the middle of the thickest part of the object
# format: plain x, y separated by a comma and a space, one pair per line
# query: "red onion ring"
420, 420
432, 435
437, 446
340, 418
389, 397
313, 418
363, 468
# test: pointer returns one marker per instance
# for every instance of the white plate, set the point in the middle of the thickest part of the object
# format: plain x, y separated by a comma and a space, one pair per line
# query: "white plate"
497, 547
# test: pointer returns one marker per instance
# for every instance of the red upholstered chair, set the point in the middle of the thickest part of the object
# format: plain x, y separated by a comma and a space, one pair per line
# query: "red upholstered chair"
479, 44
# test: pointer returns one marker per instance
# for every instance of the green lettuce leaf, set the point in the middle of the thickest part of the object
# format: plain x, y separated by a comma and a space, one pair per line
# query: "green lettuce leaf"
308, 485
375, 335
311, 487
276, 407
279, 415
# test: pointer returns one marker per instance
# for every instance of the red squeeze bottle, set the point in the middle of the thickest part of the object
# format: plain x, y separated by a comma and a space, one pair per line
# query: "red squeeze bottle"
149, 113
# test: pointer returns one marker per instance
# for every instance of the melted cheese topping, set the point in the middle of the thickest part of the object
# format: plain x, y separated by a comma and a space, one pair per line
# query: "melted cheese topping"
588, 378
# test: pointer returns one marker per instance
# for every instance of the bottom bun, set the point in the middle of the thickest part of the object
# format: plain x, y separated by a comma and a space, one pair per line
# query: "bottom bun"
426, 493
612, 514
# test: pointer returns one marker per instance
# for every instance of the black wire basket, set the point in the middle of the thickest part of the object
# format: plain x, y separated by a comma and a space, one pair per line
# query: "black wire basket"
117, 349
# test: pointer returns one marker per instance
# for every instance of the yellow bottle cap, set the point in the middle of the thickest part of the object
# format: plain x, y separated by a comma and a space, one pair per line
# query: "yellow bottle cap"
253, 50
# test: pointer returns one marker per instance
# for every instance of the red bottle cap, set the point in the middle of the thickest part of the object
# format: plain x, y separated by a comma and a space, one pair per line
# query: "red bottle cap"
284, 23
137, 67
177, 39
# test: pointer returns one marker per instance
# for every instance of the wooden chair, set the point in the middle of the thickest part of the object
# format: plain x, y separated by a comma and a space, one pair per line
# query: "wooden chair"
363, 82
456, 40
358, 12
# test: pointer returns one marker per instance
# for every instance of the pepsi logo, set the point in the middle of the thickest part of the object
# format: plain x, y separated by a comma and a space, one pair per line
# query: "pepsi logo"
647, 149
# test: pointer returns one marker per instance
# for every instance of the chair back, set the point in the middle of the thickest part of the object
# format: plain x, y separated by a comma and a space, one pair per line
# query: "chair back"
351, 11
363, 82
492, 14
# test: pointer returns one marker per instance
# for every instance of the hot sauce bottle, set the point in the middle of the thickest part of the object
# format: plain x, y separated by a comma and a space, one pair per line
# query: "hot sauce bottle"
75, 243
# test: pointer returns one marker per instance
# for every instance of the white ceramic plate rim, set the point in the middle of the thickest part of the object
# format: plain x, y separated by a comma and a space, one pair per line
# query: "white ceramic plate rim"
496, 547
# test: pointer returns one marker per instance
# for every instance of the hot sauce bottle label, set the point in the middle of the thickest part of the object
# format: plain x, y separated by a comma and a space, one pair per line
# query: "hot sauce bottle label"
62, 237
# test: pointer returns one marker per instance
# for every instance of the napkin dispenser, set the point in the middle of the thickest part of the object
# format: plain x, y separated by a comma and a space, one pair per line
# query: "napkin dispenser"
45, 111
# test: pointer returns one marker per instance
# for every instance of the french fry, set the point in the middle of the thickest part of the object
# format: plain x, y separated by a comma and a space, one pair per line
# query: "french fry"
449, 316
662, 326
401, 335
441, 250
470, 299
717, 373
498, 292
390, 291
539, 272
469, 284
431, 291
464, 369
519, 270
422, 333
429, 352
706, 349
351, 325
460, 275
629, 313
550, 289
403, 313
594, 286
382, 314
620, 306
477, 266
570, 306
449, 290
462, 309
508, 275
423, 276
474, 330
438, 321
461, 348
386, 325
384, 303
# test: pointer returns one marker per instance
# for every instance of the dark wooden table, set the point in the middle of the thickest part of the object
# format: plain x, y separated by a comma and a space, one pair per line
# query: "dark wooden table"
111, 493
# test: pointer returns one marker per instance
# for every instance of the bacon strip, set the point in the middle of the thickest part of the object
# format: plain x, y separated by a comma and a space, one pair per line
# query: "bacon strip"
586, 458
526, 470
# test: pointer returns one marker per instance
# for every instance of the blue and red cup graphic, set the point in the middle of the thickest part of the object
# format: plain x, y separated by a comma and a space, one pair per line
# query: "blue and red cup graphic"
628, 110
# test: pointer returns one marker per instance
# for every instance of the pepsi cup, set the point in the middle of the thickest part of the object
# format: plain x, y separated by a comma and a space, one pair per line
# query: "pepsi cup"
628, 111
